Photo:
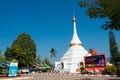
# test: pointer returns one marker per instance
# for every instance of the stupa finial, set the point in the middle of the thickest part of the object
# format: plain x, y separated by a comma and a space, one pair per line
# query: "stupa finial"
74, 19
75, 40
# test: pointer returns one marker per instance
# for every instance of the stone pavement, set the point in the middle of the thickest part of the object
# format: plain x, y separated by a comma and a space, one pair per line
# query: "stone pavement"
15, 78
58, 76
53, 76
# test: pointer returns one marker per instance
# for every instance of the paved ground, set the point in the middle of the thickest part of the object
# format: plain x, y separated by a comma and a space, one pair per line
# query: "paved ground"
49, 76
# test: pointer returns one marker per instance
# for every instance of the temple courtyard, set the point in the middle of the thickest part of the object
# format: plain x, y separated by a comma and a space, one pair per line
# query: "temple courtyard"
61, 76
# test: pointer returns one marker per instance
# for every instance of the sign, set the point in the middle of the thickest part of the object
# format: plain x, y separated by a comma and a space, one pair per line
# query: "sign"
97, 61
13, 69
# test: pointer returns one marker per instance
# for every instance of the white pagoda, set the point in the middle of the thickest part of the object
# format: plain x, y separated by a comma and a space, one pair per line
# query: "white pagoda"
71, 60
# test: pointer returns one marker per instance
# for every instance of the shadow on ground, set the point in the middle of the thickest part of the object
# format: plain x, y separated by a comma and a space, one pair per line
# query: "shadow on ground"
85, 79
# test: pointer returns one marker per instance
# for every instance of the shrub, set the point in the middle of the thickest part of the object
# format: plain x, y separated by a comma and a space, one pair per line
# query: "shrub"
118, 71
0, 71
110, 69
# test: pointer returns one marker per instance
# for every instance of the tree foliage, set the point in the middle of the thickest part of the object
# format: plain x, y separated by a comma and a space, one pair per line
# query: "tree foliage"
39, 60
47, 61
104, 9
0, 56
23, 50
118, 70
115, 56
110, 69
2, 59
53, 52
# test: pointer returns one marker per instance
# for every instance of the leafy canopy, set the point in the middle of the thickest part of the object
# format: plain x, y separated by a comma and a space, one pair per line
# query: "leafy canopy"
23, 50
53, 52
104, 9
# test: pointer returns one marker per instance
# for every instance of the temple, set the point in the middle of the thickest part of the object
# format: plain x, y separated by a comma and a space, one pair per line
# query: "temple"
74, 56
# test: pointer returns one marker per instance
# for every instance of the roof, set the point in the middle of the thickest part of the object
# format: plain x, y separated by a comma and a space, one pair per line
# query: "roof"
3, 65
43, 66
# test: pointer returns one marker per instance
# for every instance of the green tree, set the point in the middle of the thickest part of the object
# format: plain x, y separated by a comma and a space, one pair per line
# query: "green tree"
110, 69
47, 61
118, 69
2, 59
23, 50
53, 53
104, 9
38, 60
0, 56
115, 56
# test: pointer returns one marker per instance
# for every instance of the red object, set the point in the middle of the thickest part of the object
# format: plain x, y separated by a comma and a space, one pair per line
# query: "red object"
78, 70
97, 62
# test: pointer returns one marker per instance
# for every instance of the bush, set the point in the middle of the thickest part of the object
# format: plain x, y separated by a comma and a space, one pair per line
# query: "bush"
83, 71
118, 71
109, 70
0, 71
5, 72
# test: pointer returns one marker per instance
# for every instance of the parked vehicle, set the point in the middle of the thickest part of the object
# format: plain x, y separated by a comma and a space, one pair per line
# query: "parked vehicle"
24, 70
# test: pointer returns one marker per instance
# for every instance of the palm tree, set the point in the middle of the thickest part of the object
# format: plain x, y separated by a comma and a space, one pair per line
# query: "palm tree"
53, 53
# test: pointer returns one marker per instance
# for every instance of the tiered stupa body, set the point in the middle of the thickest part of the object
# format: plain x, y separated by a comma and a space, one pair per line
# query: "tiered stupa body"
75, 54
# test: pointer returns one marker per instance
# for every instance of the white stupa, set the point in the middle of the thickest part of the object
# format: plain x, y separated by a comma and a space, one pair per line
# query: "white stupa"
71, 60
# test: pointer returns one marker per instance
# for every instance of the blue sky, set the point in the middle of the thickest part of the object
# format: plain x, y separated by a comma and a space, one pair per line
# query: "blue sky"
49, 23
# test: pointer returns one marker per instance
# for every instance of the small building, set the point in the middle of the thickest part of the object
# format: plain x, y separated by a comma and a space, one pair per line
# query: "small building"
4, 65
